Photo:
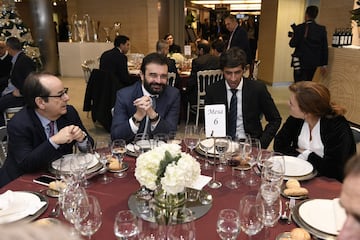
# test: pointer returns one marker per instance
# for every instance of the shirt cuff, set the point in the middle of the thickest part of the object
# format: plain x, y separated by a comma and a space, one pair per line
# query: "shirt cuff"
133, 126
154, 124
304, 155
56, 146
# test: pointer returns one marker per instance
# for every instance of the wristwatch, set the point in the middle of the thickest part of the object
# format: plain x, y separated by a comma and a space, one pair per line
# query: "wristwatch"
133, 118
155, 119
85, 136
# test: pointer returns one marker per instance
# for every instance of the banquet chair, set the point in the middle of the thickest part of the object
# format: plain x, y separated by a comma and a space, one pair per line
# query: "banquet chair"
9, 112
171, 78
87, 72
3, 144
356, 134
204, 78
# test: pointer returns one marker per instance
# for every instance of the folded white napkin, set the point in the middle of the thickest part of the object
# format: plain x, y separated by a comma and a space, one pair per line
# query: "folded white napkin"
5, 200
340, 214
200, 182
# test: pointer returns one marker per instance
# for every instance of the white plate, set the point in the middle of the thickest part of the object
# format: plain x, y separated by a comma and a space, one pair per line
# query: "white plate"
134, 71
22, 204
295, 167
68, 158
325, 215
185, 73
142, 143
210, 143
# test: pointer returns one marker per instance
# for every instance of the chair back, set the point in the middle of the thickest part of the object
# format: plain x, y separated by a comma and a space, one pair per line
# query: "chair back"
9, 112
87, 71
204, 79
171, 78
356, 134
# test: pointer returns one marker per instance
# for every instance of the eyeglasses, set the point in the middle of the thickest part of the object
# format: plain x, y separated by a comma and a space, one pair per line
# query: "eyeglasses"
60, 95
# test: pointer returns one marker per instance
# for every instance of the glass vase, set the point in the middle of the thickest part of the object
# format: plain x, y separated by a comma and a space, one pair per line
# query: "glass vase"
167, 206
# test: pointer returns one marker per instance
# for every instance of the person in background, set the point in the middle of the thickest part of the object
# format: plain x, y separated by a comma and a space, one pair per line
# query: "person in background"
173, 48
217, 47
246, 101
150, 106
204, 61
115, 61
162, 47
44, 130
316, 130
22, 66
349, 200
311, 48
253, 33
238, 36
5, 65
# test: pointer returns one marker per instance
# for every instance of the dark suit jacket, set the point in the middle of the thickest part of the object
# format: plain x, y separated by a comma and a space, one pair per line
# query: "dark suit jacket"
336, 136
28, 147
100, 96
22, 68
5, 68
167, 106
256, 100
172, 68
240, 40
312, 50
116, 63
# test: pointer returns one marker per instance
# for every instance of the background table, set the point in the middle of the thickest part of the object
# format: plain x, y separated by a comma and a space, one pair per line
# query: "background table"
114, 197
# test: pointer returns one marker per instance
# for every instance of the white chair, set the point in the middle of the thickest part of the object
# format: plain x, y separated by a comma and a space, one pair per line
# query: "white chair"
171, 78
3, 144
356, 134
204, 78
9, 112
87, 72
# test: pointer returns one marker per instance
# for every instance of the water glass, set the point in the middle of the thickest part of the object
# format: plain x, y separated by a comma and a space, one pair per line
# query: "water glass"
228, 224
103, 152
206, 144
269, 192
126, 225
252, 160
274, 169
88, 213
182, 225
222, 145
272, 213
251, 213
118, 149
191, 137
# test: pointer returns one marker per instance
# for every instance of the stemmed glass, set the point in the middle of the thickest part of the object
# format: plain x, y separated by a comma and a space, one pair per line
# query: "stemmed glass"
88, 216
70, 202
244, 152
232, 183
181, 225
251, 213
206, 143
126, 225
118, 149
191, 137
272, 212
253, 159
103, 152
273, 170
222, 145
228, 224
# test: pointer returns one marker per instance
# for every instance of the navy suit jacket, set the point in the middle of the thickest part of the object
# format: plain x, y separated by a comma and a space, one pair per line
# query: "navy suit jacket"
22, 68
167, 106
240, 40
29, 149
335, 134
115, 62
312, 50
256, 100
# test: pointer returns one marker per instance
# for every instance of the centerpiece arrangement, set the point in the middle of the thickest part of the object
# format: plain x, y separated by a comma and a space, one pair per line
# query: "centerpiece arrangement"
167, 171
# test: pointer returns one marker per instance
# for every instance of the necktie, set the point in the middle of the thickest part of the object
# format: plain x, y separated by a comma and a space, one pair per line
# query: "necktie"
51, 128
233, 114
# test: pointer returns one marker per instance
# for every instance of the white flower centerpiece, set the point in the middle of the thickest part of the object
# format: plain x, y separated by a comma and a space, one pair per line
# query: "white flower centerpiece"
167, 171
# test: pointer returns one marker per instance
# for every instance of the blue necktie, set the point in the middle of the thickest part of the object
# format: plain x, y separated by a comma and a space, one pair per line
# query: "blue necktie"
233, 114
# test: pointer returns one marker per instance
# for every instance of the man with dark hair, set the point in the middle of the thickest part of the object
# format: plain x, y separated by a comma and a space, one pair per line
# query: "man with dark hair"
311, 48
115, 62
218, 47
162, 47
44, 130
22, 66
150, 106
238, 36
246, 100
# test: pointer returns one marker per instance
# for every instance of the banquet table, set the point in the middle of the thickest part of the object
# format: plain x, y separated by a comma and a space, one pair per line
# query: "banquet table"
114, 197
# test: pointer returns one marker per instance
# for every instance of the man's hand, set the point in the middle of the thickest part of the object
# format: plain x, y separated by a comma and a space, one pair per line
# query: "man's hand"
143, 105
16, 93
68, 134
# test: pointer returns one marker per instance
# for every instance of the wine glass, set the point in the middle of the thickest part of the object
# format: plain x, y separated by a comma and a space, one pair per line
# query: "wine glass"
118, 149
274, 169
252, 160
251, 213
228, 224
182, 225
160, 138
232, 183
103, 152
206, 143
269, 192
222, 145
88, 213
79, 163
142, 143
174, 138
263, 157
214, 183
191, 137
126, 225
70, 202
244, 151
272, 212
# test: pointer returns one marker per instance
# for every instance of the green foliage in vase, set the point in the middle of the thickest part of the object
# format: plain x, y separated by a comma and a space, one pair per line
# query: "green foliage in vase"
168, 159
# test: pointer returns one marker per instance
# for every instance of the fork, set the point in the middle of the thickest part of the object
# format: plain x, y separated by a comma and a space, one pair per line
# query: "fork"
291, 206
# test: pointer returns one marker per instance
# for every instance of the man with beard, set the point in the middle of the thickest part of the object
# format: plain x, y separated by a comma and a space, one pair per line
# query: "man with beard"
44, 130
150, 106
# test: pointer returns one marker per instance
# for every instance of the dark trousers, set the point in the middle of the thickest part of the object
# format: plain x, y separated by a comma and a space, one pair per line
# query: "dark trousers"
304, 74
9, 101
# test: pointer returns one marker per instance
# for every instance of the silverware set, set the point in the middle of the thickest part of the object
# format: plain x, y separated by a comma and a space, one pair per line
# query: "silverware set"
289, 207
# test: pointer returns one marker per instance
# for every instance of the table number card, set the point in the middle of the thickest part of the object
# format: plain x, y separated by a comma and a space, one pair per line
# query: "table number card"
215, 120
187, 50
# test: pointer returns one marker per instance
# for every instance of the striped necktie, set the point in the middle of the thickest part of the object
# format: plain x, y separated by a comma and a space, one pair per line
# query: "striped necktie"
51, 128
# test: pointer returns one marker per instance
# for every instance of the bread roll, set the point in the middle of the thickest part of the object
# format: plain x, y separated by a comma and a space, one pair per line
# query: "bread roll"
57, 185
299, 191
292, 183
300, 234
115, 165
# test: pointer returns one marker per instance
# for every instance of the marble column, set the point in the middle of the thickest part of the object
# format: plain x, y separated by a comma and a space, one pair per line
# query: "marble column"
44, 33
